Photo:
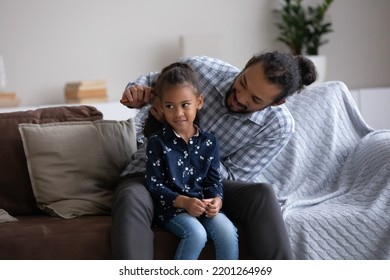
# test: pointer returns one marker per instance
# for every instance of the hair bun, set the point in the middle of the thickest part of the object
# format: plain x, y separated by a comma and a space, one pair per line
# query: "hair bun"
308, 70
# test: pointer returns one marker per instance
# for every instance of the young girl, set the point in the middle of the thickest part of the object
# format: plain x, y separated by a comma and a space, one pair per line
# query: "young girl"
183, 169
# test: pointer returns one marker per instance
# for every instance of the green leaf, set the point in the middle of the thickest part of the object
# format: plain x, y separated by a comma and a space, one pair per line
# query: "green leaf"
302, 28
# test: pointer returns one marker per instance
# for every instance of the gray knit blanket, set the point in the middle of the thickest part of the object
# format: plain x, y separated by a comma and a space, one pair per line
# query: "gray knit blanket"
333, 178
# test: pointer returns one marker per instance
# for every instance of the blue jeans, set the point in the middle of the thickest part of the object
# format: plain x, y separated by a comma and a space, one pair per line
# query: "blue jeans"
194, 233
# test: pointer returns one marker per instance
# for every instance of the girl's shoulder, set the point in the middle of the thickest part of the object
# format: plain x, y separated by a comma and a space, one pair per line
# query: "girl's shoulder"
155, 138
208, 137
161, 136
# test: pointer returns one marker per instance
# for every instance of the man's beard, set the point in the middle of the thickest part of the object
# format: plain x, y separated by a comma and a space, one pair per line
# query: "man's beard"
232, 93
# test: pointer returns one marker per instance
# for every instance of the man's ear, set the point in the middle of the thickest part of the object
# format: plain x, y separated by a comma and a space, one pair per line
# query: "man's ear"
200, 101
279, 102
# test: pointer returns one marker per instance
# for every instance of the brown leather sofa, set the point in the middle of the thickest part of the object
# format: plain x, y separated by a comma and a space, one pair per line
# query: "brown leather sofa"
37, 235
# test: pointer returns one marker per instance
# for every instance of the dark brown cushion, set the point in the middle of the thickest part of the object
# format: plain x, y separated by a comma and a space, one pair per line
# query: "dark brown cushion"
41, 237
16, 196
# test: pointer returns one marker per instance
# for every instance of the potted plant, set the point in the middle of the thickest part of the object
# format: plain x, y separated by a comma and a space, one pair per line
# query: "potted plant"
302, 28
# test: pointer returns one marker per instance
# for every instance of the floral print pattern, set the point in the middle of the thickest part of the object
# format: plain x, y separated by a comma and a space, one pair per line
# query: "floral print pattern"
175, 167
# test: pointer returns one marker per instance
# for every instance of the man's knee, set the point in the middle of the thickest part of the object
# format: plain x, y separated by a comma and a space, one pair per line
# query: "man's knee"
133, 194
246, 200
258, 192
132, 197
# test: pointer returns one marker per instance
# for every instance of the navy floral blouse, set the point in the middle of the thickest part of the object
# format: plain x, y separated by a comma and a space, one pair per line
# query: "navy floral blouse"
175, 167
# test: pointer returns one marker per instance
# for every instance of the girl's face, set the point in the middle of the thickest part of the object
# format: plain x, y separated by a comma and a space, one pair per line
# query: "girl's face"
179, 105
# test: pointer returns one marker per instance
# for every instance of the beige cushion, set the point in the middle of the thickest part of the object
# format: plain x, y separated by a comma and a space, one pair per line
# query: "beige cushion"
5, 217
74, 166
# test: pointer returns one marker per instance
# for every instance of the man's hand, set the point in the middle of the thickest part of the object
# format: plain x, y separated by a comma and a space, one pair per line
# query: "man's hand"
137, 96
213, 205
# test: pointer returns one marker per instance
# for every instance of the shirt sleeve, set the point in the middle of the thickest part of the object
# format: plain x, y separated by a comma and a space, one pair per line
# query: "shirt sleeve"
145, 80
212, 184
155, 182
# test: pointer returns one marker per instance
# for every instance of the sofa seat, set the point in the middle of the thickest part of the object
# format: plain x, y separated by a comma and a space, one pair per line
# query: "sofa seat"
46, 237
42, 237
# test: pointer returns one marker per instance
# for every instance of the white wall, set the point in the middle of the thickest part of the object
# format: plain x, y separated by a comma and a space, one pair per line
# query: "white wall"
46, 43
374, 106
359, 48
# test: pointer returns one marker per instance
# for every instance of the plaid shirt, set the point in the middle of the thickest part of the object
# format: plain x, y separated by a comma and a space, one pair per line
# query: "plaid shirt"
248, 142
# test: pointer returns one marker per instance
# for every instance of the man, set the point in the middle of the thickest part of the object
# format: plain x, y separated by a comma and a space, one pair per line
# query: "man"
245, 111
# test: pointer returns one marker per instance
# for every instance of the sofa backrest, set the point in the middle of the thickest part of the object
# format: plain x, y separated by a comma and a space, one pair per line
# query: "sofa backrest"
16, 196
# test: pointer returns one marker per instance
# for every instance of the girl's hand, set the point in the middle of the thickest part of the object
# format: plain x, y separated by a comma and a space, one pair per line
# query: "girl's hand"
195, 207
192, 205
213, 205
137, 96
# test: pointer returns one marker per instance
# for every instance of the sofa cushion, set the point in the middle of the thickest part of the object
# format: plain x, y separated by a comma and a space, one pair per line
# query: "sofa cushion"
5, 217
74, 166
41, 237
16, 195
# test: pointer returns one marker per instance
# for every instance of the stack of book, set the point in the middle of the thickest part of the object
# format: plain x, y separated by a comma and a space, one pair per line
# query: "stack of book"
9, 99
86, 92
